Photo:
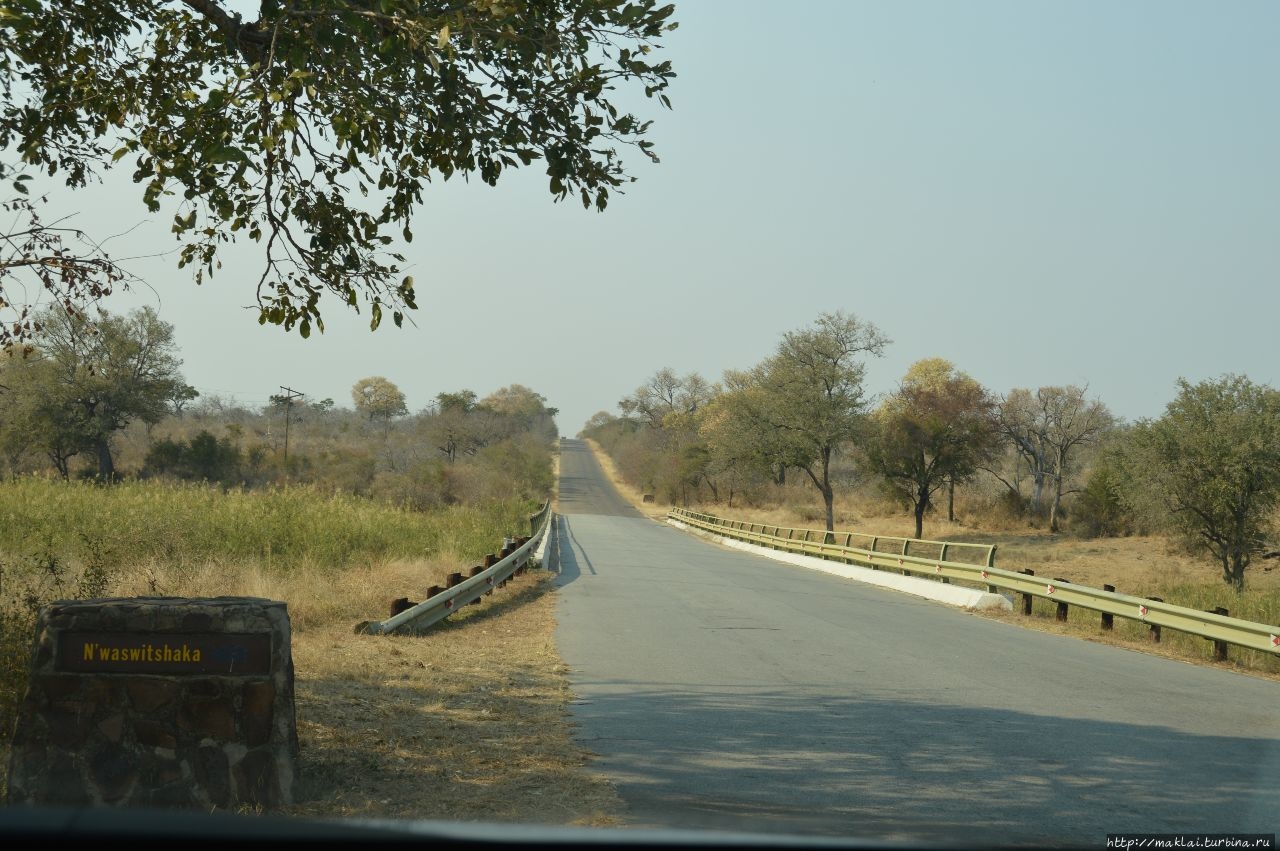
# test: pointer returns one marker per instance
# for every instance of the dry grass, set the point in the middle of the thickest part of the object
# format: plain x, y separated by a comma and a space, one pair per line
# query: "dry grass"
465, 723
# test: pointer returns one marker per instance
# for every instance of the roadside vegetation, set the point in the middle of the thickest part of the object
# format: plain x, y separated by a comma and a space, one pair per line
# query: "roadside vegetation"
1185, 507
337, 511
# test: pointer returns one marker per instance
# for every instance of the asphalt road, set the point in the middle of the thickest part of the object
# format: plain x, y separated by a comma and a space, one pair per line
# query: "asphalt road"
722, 690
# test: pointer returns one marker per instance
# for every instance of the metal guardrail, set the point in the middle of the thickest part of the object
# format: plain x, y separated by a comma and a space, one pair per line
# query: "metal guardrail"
539, 518
1153, 612
984, 554
439, 606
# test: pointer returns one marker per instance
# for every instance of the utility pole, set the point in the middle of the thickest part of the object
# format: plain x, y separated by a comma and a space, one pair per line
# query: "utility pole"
290, 395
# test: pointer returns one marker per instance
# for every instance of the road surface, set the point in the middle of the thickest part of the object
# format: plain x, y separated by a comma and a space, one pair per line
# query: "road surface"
726, 691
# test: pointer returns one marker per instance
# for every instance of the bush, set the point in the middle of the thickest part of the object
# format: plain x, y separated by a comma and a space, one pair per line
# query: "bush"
27, 585
203, 458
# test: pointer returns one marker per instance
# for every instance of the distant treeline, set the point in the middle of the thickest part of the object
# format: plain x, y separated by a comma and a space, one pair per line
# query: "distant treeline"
1207, 471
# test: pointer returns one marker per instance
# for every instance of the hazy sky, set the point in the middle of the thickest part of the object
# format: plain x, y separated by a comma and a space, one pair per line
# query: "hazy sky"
1042, 193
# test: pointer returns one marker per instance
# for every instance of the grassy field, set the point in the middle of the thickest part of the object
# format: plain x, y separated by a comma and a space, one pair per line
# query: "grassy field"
465, 723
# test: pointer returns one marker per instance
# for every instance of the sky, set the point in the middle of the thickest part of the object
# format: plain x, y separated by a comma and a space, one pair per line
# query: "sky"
1043, 193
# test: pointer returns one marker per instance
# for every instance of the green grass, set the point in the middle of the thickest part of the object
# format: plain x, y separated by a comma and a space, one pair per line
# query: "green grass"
65, 540
1258, 606
135, 523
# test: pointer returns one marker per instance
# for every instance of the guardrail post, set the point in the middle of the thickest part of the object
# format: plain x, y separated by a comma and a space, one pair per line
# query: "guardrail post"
401, 604
991, 556
1108, 620
476, 571
1220, 647
1061, 614
1026, 597
1155, 627
433, 590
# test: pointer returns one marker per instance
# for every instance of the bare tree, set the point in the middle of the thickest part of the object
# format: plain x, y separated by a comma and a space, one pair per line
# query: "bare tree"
1047, 429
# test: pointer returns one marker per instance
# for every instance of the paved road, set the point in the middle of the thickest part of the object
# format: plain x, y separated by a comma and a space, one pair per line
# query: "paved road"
726, 691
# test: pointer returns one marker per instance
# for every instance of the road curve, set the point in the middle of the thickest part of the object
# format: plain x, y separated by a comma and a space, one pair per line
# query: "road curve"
725, 691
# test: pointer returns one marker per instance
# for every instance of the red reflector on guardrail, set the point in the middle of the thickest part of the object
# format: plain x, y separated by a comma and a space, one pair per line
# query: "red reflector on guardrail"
1142, 611
1049, 589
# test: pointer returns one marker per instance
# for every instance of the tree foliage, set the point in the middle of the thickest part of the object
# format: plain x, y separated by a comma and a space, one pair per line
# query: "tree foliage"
1213, 463
202, 458
313, 129
937, 428
460, 424
82, 382
666, 393
738, 457
807, 400
62, 264
377, 398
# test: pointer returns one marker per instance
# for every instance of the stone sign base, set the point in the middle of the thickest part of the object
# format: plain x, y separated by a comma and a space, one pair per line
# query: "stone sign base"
158, 702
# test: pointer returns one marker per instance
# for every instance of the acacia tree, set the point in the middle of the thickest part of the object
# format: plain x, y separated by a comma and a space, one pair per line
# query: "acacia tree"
736, 456
97, 377
452, 426
937, 428
807, 400
377, 398
524, 410
1213, 463
32, 418
313, 127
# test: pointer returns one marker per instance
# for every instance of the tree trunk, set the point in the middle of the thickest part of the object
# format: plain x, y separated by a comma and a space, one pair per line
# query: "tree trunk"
1057, 492
828, 492
921, 505
1053, 509
951, 500
781, 478
1234, 574
61, 463
106, 467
